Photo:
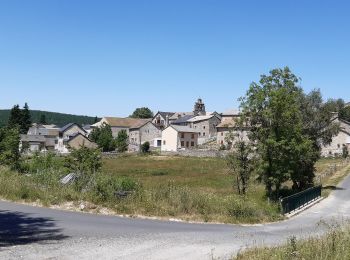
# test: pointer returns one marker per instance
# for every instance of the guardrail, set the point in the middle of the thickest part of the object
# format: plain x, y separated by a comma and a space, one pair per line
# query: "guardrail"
299, 200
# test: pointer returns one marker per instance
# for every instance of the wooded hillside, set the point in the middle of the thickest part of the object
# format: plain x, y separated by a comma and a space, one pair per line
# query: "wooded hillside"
59, 119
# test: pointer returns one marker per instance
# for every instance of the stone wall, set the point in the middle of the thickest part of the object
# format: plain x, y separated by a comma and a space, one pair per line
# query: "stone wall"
197, 153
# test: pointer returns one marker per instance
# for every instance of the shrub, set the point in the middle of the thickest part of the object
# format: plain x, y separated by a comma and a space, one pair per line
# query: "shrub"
145, 147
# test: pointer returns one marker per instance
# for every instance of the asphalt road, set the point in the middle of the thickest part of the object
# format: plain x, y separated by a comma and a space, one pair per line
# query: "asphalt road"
28, 232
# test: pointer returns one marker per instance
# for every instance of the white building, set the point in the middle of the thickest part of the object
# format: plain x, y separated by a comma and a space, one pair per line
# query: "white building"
177, 137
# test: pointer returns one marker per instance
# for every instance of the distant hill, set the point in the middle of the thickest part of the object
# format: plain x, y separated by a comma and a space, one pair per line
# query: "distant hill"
59, 119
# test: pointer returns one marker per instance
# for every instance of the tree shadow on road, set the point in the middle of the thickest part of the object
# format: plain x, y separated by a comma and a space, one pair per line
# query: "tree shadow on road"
18, 228
331, 187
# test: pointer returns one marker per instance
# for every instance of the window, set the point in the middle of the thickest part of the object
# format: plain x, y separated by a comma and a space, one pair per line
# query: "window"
222, 142
199, 134
164, 142
182, 143
192, 144
182, 135
204, 127
338, 145
192, 136
222, 133
203, 134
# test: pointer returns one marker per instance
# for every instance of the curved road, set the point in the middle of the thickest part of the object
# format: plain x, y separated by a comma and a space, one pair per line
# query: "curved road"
40, 233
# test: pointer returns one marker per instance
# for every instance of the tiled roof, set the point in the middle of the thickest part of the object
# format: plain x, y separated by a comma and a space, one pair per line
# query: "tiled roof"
126, 122
184, 129
33, 138
231, 112
199, 118
164, 114
183, 119
227, 123
177, 115
140, 122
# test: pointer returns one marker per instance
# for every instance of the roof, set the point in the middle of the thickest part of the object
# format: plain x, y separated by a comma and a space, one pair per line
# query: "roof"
183, 119
75, 135
52, 126
164, 114
227, 123
33, 138
67, 126
231, 112
185, 129
177, 115
200, 118
140, 123
127, 122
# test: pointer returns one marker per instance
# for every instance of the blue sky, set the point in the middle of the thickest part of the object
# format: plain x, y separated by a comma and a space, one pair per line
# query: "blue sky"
109, 57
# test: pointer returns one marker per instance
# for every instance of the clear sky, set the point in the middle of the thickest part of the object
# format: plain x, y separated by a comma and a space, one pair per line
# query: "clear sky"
109, 57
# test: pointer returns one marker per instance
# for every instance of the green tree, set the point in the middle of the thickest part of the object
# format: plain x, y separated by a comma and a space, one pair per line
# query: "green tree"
335, 105
103, 137
15, 119
145, 147
142, 112
276, 124
43, 119
26, 121
240, 161
345, 113
9, 147
319, 128
122, 141
85, 163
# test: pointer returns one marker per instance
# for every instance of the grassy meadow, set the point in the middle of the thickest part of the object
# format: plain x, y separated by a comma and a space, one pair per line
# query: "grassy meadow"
332, 246
193, 189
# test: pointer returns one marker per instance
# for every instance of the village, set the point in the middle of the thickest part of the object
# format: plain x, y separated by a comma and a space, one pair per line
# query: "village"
195, 133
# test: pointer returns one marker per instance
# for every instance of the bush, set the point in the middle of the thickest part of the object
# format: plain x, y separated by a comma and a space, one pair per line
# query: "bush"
145, 147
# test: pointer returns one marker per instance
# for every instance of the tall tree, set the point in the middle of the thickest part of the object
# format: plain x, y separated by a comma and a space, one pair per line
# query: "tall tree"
122, 141
15, 118
26, 119
273, 109
240, 160
142, 112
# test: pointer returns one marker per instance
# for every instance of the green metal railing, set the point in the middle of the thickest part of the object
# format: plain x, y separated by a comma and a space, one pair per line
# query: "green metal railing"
298, 200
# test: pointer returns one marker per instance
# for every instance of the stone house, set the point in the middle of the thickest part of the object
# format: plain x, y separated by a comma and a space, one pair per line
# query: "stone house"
161, 119
118, 123
227, 125
39, 138
144, 131
176, 137
32, 143
138, 130
77, 141
205, 125
335, 148
74, 136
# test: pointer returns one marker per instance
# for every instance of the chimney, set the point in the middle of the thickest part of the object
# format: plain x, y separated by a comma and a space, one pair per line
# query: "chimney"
167, 120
